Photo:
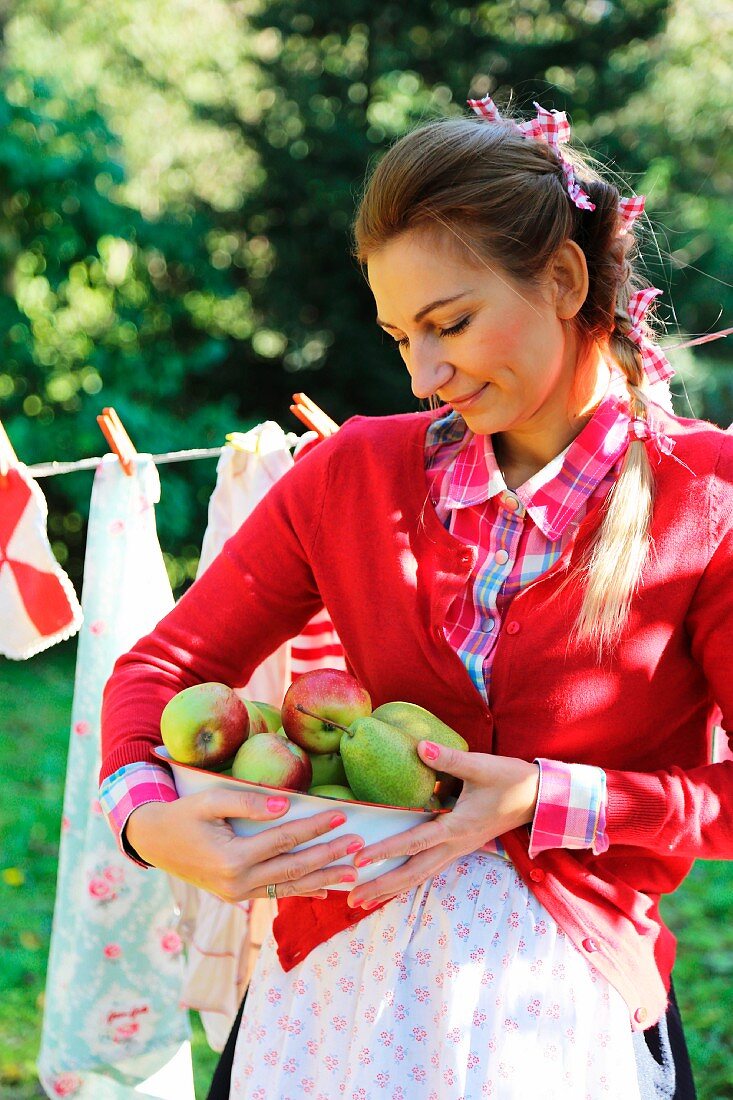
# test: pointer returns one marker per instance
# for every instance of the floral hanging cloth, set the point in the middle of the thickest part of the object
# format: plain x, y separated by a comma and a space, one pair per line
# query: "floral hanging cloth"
112, 1027
38, 605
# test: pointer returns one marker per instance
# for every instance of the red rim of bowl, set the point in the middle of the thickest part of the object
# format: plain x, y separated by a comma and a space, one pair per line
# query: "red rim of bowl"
162, 753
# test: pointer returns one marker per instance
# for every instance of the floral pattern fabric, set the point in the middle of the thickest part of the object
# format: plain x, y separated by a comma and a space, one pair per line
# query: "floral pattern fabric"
461, 989
112, 1026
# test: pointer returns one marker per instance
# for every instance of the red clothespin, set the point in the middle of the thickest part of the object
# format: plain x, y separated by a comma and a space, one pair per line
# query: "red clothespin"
8, 457
117, 438
312, 416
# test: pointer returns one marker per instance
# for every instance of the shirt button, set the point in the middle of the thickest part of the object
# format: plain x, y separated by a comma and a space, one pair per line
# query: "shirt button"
591, 945
510, 502
512, 627
537, 875
501, 557
488, 625
640, 1015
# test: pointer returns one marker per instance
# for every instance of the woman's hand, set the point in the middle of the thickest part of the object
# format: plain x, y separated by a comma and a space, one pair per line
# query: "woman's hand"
192, 839
499, 793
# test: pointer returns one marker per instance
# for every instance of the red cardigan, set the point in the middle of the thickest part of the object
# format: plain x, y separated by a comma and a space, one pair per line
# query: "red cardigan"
351, 526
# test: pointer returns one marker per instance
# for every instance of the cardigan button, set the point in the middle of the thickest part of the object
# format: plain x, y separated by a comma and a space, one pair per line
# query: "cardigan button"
512, 627
466, 557
590, 945
640, 1015
537, 875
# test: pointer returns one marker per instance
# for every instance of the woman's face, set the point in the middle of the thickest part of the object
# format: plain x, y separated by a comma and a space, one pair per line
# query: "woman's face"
499, 350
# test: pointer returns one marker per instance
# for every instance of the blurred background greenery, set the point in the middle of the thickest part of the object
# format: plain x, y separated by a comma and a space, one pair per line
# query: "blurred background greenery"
177, 181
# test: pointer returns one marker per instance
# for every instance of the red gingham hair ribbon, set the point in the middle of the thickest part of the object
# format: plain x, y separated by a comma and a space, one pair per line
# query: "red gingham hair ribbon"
486, 108
628, 211
656, 366
643, 430
551, 127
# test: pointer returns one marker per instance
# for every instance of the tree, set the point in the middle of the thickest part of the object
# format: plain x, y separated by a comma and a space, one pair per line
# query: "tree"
180, 181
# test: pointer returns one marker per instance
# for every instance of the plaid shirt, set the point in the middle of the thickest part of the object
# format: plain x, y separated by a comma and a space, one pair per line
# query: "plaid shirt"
519, 535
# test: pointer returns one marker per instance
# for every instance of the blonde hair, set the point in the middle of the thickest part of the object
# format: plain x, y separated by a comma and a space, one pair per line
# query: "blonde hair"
506, 195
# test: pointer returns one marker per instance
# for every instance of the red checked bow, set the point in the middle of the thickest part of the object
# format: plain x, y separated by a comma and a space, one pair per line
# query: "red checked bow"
655, 363
628, 211
551, 127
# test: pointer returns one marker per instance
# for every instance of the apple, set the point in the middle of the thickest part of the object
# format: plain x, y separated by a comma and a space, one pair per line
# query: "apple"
319, 704
204, 725
263, 717
333, 790
328, 768
273, 761
257, 723
271, 715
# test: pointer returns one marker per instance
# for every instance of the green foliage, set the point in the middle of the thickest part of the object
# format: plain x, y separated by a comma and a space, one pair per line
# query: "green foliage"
178, 184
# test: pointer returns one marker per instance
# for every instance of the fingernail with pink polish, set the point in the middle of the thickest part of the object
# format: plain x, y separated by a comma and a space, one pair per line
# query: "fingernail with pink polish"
336, 820
355, 846
364, 862
430, 750
348, 877
275, 805
369, 904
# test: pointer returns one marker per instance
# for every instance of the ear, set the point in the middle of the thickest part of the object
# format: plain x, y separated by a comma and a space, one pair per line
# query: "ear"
569, 278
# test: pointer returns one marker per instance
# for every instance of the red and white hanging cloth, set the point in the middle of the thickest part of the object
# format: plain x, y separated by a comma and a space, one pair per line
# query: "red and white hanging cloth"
38, 604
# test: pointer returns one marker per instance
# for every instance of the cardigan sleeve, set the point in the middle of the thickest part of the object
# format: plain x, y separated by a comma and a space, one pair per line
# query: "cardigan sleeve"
259, 591
689, 813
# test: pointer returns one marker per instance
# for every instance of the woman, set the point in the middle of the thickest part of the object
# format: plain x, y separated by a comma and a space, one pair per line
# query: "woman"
545, 563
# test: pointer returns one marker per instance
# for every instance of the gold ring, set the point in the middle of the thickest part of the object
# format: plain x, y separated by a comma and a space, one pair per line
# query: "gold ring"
272, 892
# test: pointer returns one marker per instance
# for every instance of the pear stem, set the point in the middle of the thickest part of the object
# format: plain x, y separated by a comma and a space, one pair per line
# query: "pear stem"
326, 721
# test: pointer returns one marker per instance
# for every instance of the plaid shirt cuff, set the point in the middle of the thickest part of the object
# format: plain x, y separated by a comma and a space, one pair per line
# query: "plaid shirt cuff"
130, 787
571, 808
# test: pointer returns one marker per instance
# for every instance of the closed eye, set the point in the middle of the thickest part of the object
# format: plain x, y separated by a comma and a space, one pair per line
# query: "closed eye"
454, 330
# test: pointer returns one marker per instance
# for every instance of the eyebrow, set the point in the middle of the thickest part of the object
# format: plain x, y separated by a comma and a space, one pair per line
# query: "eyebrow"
428, 309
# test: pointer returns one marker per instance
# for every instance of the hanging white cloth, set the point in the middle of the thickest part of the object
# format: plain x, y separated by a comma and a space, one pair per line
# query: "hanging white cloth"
223, 939
245, 472
112, 1025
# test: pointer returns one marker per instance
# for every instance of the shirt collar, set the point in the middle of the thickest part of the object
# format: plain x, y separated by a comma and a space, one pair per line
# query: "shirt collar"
555, 494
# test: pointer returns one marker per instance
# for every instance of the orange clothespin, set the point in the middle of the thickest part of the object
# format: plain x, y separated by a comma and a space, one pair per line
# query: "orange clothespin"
312, 416
117, 438
8, 457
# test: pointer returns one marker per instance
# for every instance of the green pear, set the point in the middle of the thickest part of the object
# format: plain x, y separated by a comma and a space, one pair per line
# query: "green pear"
328, 767
382, 765
420, 724
333, 790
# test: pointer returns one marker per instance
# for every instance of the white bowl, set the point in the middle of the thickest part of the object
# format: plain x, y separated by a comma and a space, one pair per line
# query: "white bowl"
368, 820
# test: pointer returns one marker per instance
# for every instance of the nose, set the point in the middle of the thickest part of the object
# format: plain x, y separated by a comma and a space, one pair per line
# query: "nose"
428, 371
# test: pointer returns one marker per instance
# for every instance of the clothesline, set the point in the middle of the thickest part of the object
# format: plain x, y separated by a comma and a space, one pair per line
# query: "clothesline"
50, 469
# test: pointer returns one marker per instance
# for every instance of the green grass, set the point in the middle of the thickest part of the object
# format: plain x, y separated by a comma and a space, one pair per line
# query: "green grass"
36, 706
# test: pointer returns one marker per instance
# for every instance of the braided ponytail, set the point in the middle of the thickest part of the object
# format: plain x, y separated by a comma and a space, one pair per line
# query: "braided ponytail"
612, 567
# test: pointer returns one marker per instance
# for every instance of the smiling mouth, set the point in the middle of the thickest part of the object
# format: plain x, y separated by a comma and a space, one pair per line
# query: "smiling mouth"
464, 402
